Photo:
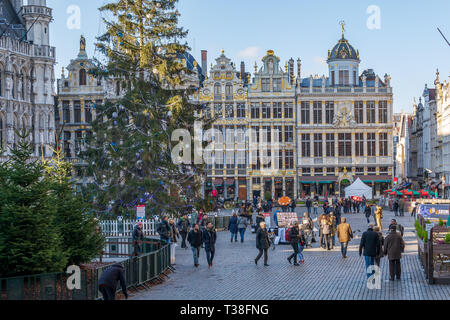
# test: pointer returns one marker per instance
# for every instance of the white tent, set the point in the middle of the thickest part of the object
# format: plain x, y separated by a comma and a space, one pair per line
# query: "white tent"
358, 188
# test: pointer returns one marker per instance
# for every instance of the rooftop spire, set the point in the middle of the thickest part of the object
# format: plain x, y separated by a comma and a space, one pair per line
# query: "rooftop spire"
342, 23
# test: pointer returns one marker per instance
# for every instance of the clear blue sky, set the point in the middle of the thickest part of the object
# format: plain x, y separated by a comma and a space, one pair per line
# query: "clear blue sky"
407, 46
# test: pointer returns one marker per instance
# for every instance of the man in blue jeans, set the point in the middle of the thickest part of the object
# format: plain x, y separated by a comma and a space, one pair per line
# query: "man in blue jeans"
195, 240
370, 247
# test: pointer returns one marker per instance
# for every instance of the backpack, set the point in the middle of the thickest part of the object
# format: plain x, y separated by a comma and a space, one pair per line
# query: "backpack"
287, 235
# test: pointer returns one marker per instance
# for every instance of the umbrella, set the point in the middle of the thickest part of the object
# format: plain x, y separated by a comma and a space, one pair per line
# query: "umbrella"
356, 198
284, 201
395, 193
388, 190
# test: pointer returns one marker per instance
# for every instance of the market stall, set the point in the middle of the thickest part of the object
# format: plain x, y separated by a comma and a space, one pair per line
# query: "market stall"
284, 219
358, 188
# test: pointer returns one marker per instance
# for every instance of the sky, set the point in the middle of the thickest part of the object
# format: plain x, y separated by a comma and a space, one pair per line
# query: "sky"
398, 37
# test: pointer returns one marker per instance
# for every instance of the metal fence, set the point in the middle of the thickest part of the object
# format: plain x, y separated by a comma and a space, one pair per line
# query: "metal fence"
53, 286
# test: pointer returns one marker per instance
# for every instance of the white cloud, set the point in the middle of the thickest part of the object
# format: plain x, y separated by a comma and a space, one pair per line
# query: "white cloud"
250, 53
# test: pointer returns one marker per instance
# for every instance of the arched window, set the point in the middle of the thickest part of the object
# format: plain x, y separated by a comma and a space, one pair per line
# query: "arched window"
117, 88
229, 91
82, 77
23, 78
14, 84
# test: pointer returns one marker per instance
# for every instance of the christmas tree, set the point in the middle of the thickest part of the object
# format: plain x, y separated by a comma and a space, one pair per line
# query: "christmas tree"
29, 241
129, 152
74, 219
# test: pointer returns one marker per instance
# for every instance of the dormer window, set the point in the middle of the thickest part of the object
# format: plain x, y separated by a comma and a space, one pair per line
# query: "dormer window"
265, 85
82, 77
343, 77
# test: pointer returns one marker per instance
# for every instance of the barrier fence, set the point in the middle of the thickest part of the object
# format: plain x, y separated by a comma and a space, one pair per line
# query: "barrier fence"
150, 265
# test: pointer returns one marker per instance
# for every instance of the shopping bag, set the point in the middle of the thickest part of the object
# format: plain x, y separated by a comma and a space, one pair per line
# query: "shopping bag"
277, 240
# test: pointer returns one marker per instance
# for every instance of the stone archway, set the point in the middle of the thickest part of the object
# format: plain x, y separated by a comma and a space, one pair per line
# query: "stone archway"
344, 179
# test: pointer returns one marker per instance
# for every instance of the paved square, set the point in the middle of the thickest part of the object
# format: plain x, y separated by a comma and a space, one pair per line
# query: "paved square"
325, 275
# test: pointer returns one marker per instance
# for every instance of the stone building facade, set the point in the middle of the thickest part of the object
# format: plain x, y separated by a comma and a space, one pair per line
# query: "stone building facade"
26, 75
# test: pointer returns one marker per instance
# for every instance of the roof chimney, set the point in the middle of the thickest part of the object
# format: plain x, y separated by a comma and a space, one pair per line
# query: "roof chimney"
205, 62
242, 70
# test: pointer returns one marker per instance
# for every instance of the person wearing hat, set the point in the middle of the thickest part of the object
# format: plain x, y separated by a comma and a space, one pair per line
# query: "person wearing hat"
393, 248
107, 283
370, 247
138, 237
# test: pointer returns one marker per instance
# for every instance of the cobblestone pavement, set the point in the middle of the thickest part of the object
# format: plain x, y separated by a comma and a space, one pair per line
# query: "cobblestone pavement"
325, 274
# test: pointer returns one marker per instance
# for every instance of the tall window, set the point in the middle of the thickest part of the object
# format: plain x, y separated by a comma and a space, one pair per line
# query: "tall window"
289, 159
229, 159
329, 112
371, 144
78, 137
228, 91
332, 78
217, 91
267, 159
318, 145
345, 144
240, 110
288, 133
343, 77
255, 134
359, 111
1, 80
66, 111
88, 112
255, 110
305, 112
266, 134
229, 111
265, 110
330, 144
256, 164
278, 159
317, 112
306, 145
67, 144
288, 110
276, 84
277, 110
277, 134
82, 77
218, 110
77, 111
383, 141
2, 130
370, 106
359, 140
382, 112
265, 85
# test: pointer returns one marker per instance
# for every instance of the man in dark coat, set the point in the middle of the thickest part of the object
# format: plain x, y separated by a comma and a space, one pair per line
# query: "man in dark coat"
107, 284
195, 239
308, 205
370, 246
209, 239
294, 234
393, 248
164, 230
262, 243
259, 218
183, 229
293, 205
138, 236
233, 227
398, 226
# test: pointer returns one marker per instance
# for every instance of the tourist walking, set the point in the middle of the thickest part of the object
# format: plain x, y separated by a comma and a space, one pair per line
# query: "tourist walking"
209, 239
325, 227
401, 207
368, 212
316, 206
333, 222
369, 247
293, 205
393, 248
395, 207
164, 230
398, 226
107, 283
345, 235
183, 229
294, 234
174, 235
262, 243
138, 237
308, 205
308, 226
381, 238
259, 218
233, 227
242, 226
195, 240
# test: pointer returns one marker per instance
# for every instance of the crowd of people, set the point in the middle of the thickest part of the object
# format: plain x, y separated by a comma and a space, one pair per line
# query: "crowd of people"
200, 233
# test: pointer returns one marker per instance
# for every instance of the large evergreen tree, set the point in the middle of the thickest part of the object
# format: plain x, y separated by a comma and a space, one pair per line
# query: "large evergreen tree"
29, 241
74, 219
129, 151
